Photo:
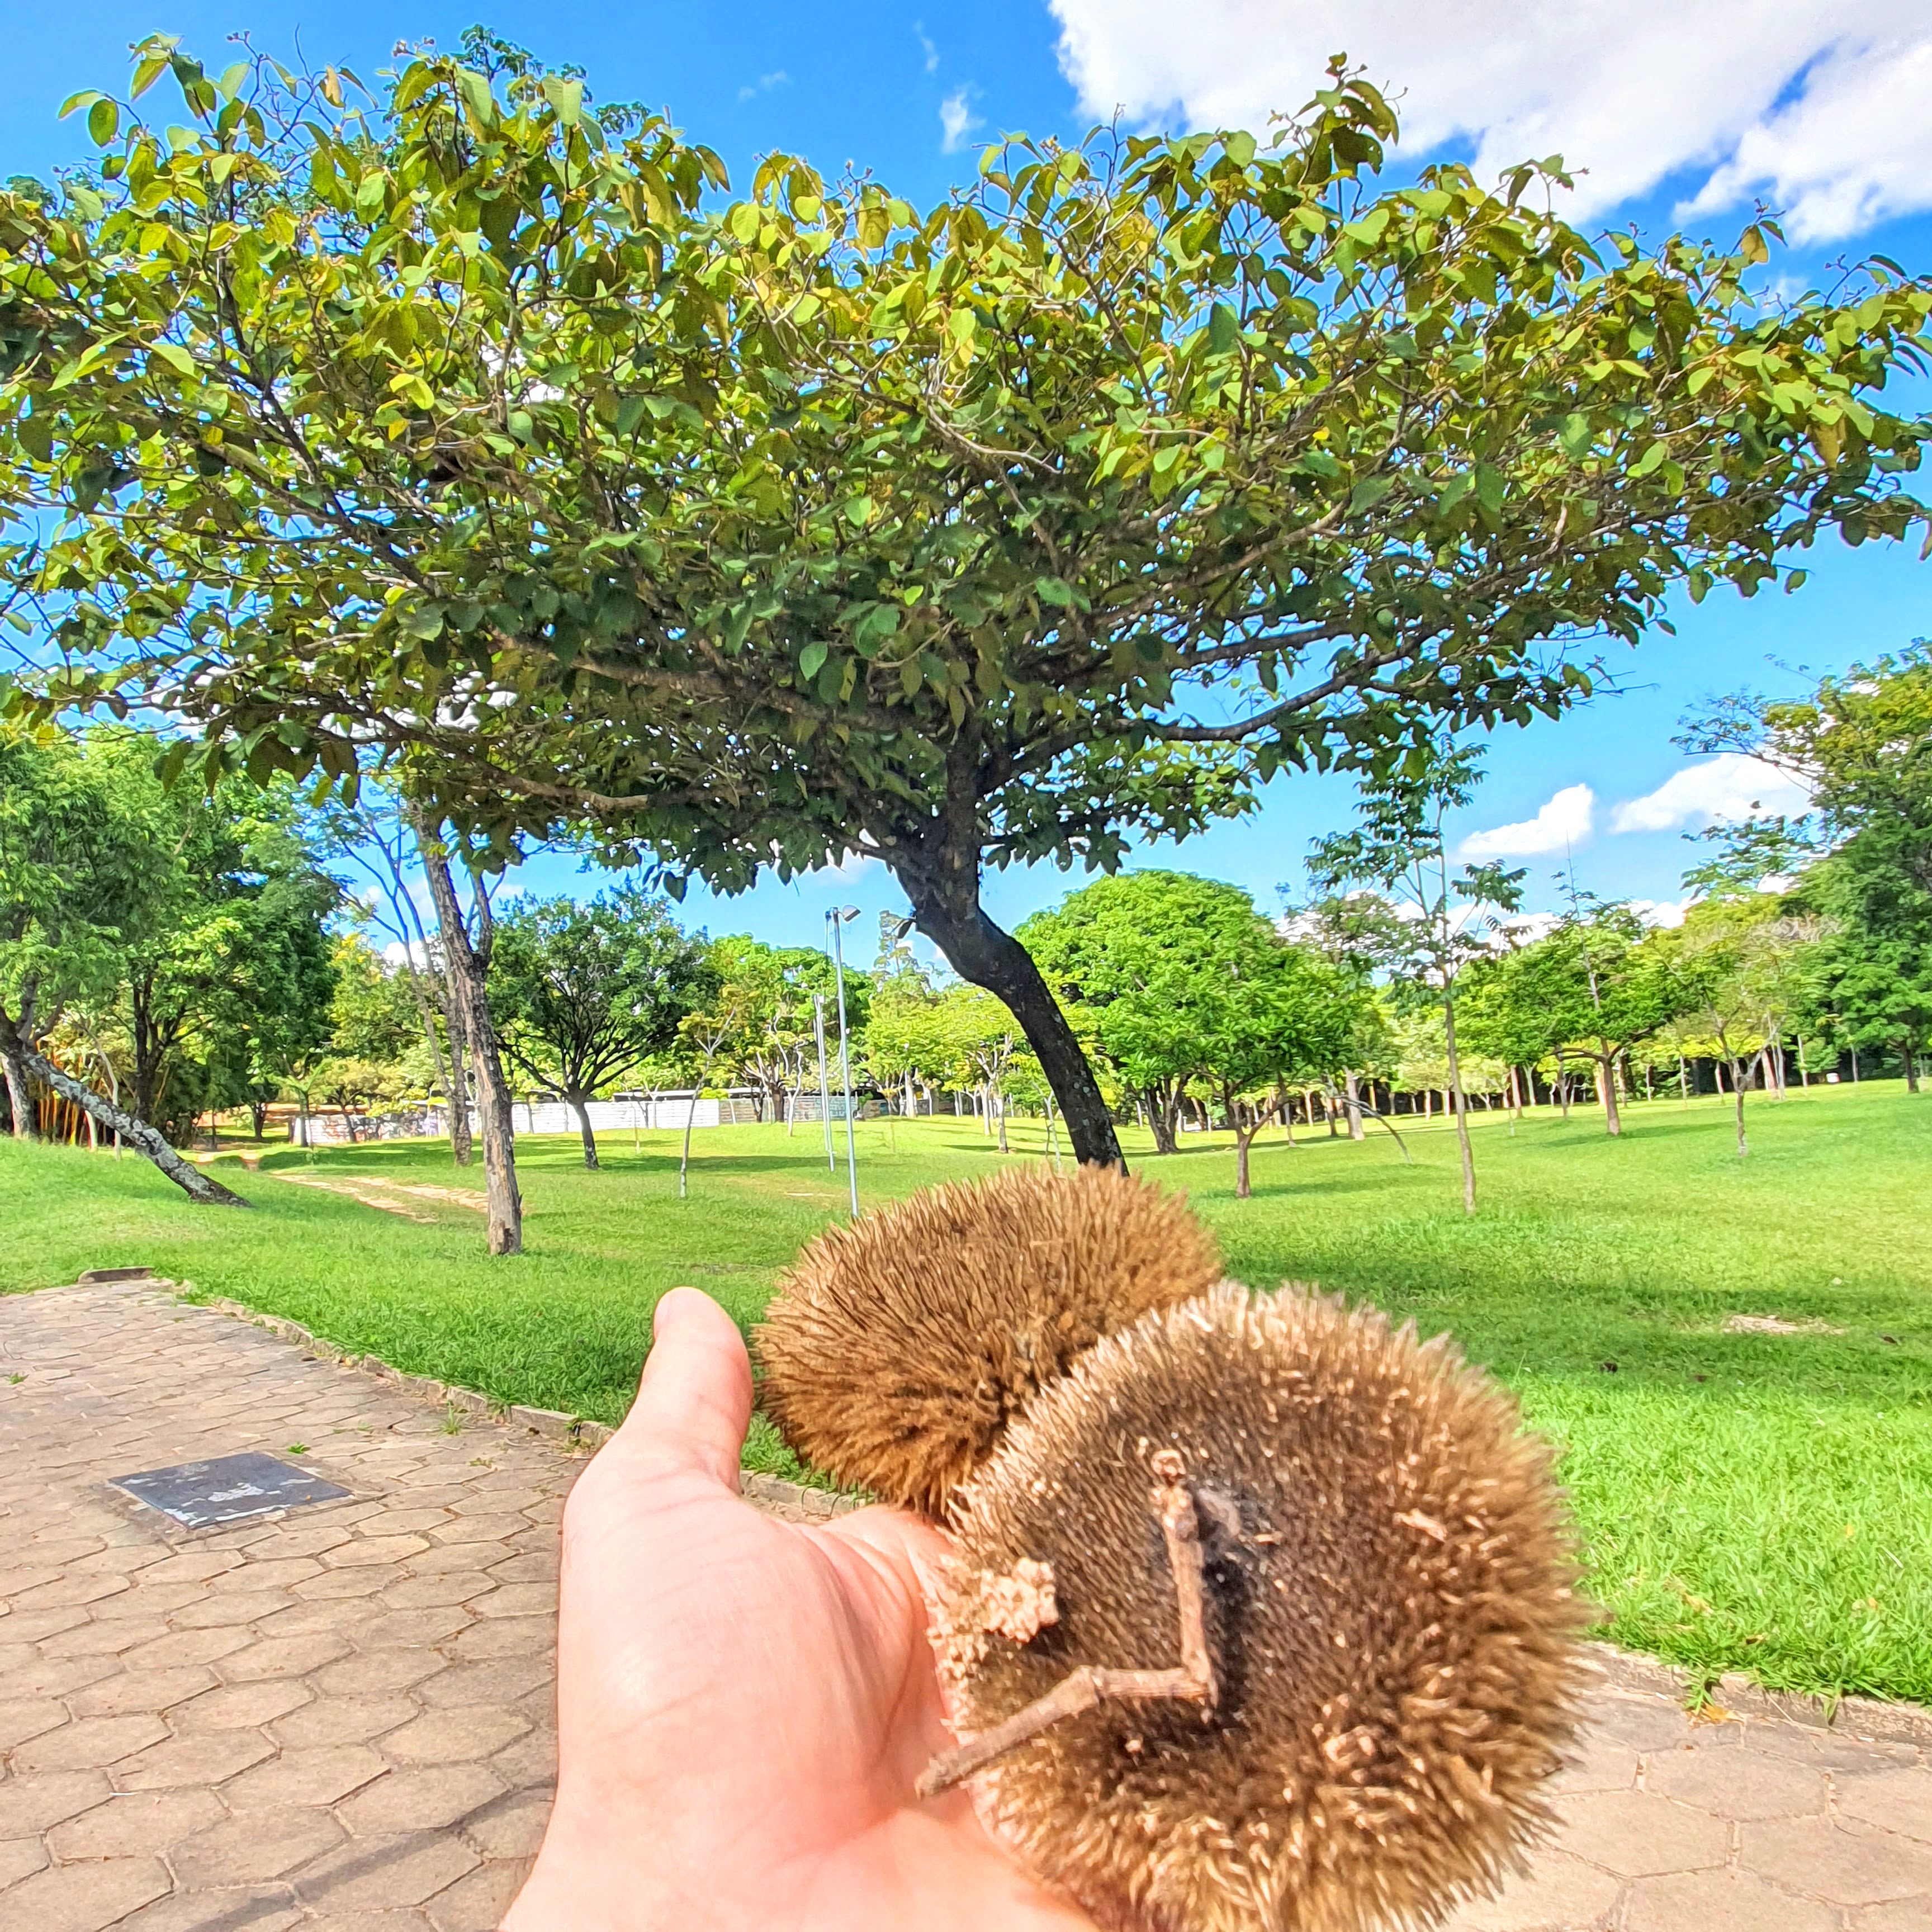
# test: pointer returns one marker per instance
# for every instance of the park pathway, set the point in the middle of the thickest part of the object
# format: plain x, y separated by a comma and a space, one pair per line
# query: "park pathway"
342, 1718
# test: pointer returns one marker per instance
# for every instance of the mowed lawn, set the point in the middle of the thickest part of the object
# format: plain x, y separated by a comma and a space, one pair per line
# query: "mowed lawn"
1752, 1501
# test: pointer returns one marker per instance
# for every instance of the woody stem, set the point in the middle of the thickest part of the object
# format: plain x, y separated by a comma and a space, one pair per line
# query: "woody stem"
1192, 1681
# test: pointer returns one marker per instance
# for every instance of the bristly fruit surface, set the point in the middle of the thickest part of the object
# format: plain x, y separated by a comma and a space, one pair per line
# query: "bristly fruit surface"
1389, 1609
899, 1348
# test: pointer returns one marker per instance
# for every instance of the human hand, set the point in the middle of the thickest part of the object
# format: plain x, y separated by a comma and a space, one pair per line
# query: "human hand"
743, 1705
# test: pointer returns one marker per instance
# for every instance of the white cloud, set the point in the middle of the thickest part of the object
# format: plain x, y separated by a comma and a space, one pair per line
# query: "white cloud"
931, 53
765, 83
957, 119
1660, 912
1565, 821
1820, 107
1729, 787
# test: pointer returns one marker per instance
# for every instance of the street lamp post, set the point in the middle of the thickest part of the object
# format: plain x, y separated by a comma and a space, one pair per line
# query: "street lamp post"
836, 921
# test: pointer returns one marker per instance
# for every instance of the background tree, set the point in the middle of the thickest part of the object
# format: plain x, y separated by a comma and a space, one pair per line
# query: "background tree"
1357, 932
584, 990
1591, 986
772, 990
1135, 953
1399, 847
1052, 519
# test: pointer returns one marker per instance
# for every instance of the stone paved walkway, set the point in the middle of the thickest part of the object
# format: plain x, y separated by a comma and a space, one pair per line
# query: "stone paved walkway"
343, 1718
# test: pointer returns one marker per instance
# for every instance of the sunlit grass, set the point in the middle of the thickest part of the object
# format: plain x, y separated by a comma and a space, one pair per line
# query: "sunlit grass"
1748, 1501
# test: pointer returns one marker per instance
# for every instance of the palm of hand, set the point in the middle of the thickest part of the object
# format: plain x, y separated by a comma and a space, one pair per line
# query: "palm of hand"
744, 1704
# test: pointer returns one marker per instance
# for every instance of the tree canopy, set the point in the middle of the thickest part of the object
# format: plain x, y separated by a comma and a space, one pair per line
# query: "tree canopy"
452, 425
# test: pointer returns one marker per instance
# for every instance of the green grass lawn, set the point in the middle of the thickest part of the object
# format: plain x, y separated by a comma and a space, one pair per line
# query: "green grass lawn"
1748, 1501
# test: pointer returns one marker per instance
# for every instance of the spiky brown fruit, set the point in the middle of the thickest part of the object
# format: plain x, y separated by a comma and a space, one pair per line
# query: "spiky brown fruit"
1389, 1611
898, 1348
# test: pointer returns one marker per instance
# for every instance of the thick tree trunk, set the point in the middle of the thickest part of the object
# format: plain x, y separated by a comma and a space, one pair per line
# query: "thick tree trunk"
137, 1134
20, 1099
1911, 1067
1243, 1190
581, 1103
1738, 1100
470, 966
1356, 1130
979, 952
1160, 1110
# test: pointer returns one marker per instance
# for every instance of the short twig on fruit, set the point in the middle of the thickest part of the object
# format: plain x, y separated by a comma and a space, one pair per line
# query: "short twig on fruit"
1192, 1681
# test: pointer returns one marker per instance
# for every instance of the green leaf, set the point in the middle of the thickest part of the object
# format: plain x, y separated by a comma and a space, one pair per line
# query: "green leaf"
1368, 492
814, 655
1224, 330
174, 355
103, 122
1053, 590
1491, 487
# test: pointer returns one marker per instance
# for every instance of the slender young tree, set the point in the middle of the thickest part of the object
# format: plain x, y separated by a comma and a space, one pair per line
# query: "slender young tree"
1399, 847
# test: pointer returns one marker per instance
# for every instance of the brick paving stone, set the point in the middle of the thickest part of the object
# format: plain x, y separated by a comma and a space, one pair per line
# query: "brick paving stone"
428, 1798
239, 1707
263, 1845
211, 1758
1721, 1901
1637, 1835
24, 1717
356, 1699
140, 1690
379, 1874
86, 1898
136, 1824
1841, 1861
89, 1741
1900, 1800
18, 1858
250, 1908
1561, 1891
1744, 1782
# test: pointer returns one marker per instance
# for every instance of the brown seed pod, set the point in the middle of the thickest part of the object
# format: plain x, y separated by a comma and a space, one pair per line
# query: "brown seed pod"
1385, 1593
898, 1348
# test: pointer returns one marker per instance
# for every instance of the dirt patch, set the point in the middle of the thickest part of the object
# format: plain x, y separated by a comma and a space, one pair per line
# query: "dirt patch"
1776, 1324
352, 1191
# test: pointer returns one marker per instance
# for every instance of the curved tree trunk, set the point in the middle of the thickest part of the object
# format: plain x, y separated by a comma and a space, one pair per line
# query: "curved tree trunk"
197, 1186
581, 1103
980, 952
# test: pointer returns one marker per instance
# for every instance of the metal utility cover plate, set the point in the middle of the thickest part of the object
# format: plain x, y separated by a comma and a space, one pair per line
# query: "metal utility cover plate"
201, 1494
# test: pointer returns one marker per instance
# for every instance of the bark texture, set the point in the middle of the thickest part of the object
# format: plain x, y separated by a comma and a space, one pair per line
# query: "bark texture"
469, 965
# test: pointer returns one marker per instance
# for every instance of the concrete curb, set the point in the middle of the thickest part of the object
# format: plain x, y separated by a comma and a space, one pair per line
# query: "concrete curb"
575, 1435
1733, 1695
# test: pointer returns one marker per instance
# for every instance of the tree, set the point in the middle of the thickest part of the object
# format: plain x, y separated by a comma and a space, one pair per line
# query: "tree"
1590, 985
1277, 1015
446, 423
468, 943
1130, 952
1399, 846
1356, 932
585, 990
1861, 742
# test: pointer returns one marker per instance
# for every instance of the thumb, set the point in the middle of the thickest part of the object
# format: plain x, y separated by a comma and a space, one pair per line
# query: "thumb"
695, 1402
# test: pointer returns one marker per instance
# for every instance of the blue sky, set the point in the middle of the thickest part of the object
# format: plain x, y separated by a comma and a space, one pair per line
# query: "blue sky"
1683, 111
